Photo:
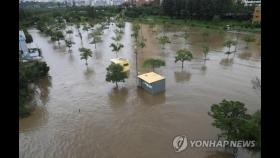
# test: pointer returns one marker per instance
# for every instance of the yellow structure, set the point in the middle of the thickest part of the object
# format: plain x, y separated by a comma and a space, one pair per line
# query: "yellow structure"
151, 77
123, 62
257, 15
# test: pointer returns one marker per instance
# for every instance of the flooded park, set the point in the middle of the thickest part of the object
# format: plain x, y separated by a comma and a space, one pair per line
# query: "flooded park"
79, 115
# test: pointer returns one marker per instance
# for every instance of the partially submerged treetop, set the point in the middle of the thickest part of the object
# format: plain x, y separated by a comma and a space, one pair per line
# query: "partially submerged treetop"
183, 55
115, 74
232, 119
153, 63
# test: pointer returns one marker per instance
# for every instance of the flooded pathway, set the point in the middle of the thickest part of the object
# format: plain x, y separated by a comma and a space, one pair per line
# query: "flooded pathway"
128, 122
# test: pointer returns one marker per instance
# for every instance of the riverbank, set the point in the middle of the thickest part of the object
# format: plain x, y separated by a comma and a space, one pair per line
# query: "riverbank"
29, 74
245, 26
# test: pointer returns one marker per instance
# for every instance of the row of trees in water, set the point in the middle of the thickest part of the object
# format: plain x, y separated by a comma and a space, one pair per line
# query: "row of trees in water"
57, 29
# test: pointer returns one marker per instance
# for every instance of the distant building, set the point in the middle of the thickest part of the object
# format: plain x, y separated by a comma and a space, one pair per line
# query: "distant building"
143, 2
80, 3
116, 2
140, 2
257, 15
106, 2
28, 52
99, 3
251, 2
22, 44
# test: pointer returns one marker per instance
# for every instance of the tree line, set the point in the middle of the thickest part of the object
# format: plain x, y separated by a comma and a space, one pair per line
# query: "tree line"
195, 9
207, 9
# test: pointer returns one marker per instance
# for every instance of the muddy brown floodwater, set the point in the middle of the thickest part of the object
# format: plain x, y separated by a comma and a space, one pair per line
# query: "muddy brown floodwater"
128, 122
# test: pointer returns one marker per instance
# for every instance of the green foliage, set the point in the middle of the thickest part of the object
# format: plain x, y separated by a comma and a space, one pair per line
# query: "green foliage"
86, 27
28, 37
57, 36
229, 117
119, 33
183, 55
141, 43
95, 35
69, 43
235, 124
36, 70
135, 31
115, 74
228, 44
251, 130
206, 9
29, 73
163, 40
117, 38
205, 51
153, 63
136, 12
116, 47
85, 54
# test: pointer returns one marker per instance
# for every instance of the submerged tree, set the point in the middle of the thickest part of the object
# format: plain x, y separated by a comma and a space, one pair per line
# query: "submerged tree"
95, 35
186, 35
117, 38
85, 54
139, 42
228, 44
205, 51
115, 74
86, 28
235, 124
183, 55
163, 40
69, 44
69, 32
153, 63
135, 31
28, 37
116, 47
79, 33
57, 36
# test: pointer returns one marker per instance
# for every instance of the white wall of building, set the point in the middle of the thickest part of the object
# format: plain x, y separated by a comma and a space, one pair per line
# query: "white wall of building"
251, 2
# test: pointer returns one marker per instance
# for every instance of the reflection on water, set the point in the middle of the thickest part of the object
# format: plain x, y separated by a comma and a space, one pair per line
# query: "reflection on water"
44, 85
118, 96
227, 61
37, 119
149, 99
245, 55
71, 57
39, 115
88, 73
257, 85
182, 76
204, 69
